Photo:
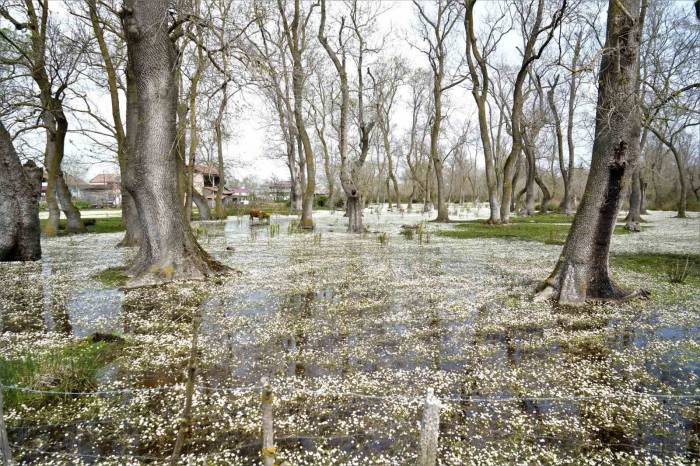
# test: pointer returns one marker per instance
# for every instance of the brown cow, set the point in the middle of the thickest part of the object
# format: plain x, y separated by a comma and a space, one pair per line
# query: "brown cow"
259, 214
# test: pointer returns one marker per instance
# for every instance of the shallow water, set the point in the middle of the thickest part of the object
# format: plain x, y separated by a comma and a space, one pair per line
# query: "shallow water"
351, 334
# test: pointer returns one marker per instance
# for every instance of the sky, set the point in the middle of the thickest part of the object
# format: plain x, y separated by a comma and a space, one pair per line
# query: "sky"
252, 132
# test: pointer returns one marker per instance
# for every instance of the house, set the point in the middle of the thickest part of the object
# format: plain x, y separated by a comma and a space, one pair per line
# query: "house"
76, 186
205, 176
103, 189
240, 196
279, 191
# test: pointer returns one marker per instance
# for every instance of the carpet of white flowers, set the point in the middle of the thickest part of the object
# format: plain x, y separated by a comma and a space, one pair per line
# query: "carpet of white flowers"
351, 333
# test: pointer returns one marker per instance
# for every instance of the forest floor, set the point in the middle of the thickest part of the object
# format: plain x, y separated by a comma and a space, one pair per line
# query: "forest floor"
351, 331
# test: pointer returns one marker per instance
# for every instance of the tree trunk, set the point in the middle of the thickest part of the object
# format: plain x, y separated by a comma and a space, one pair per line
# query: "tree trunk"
202, 205
219, 210
74, 224
427, 203
57, 193
546, 194
130, 214
130, 218
634, 215
354, 213
529, 182
683, 183
19, 207
582, 271
169, 250
442, 214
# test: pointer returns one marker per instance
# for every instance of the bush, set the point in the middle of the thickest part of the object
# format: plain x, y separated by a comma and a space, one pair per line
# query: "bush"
322, 200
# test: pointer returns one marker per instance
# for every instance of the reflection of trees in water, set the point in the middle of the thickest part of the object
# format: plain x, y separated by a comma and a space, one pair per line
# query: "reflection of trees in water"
33, 300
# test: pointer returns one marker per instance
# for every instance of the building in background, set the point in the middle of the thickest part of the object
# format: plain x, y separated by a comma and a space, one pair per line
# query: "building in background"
279, 191
104, 190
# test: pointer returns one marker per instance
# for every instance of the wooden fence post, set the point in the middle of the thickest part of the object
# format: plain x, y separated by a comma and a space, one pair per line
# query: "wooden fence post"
429, 431
4, 443
269, 450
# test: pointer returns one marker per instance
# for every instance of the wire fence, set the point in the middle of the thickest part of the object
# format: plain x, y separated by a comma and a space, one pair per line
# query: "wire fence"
430, 432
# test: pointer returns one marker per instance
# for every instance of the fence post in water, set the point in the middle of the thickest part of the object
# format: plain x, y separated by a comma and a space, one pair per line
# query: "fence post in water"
269, 450
429, 431
4, 443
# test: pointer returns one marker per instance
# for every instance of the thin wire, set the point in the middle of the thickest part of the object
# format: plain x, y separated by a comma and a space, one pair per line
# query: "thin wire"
400, 398
126, 390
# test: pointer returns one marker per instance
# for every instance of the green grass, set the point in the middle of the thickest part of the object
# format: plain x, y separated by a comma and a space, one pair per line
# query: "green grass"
92, 225
657, 264
541, 218
113, 276
71, 368
548, 232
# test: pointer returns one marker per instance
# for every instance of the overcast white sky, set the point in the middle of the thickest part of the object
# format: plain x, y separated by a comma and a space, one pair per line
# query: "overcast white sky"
251, 128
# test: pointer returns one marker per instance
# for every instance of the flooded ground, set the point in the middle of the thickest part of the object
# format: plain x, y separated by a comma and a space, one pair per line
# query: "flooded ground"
352, 331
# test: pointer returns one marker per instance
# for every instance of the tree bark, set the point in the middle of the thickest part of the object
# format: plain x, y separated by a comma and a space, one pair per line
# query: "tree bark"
19, 204
202, 205
634, 215
582, 272
130, 214
169, 250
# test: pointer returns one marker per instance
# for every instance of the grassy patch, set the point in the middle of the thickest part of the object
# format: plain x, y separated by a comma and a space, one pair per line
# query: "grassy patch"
660, 265
92, 225
71, 368
548, 233
113, 276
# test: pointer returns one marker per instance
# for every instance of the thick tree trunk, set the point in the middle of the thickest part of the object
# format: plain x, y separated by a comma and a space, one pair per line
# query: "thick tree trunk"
169, 250
582, 271
19, 204
354, 213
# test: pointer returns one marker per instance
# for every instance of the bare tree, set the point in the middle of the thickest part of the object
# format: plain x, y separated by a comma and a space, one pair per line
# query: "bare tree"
477, 60
349, 168
389, 78
52, 64
536, 37
435, 30
295, 32
582, 272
